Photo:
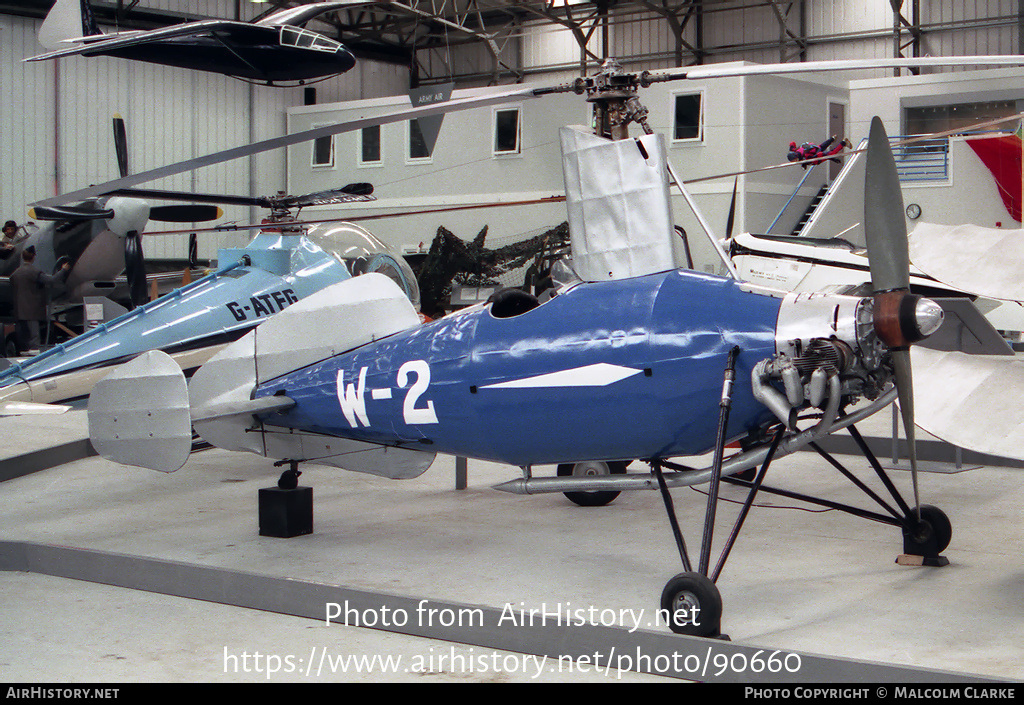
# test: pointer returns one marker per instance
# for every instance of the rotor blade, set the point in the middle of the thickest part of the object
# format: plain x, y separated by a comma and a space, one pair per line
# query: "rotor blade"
716, 71
346, 194
222, 199
296, 138
358, 189
121, 145
185, 213
905, 395
885, 227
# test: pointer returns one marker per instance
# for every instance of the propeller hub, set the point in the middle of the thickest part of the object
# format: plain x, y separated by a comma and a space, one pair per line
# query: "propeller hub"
902, 318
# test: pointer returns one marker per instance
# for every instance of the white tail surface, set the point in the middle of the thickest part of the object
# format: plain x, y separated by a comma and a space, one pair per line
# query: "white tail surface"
139, 414
342, 317
63, 22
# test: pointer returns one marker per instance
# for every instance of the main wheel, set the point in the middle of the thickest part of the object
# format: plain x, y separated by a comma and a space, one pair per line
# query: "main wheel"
592, 498
935, 530
692, 605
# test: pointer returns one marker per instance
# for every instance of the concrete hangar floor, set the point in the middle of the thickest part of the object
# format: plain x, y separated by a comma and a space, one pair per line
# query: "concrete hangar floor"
122, 575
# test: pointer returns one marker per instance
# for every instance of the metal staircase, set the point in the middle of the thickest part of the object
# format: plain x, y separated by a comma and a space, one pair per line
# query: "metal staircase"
811, 207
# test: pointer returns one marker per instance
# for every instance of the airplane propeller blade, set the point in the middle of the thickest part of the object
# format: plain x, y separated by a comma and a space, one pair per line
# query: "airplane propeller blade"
900, 318
730, 221
185, 213
121, 145
135, 268
884, 221
69, 213
905, 398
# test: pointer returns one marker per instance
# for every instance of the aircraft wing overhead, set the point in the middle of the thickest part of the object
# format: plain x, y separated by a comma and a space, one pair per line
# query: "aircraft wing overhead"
970, 258
303, 13
961, 399
121, 41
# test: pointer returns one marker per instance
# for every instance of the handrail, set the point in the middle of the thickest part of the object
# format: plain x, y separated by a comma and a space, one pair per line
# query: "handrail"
795, 192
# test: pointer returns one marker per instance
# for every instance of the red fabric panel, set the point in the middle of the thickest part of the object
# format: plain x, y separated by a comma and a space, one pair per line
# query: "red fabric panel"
1002, 156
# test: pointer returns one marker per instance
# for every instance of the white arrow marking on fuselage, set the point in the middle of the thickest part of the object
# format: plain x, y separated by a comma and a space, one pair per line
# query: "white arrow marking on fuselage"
598, 375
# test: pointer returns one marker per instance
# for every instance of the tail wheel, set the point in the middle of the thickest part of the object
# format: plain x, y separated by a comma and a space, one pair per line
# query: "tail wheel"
592, 498
933, 533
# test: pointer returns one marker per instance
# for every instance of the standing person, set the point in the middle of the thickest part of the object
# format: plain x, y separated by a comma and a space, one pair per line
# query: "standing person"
30, 287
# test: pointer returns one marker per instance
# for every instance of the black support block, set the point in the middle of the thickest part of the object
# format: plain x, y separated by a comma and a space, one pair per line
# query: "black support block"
286, 513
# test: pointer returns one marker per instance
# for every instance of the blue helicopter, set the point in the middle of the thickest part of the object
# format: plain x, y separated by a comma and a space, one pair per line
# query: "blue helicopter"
274, 48
350, 377
284, 263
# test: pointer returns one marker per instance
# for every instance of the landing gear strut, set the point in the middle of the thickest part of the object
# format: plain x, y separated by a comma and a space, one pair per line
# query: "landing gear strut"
289, 479
691, 603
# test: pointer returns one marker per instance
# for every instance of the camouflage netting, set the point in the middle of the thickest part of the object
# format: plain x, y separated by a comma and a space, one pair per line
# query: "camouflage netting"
522, 263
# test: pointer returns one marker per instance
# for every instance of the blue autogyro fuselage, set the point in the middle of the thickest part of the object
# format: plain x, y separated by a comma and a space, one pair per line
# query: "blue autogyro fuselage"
613, 370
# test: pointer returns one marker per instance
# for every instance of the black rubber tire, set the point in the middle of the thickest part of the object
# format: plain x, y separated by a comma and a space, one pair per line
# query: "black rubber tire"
692, 605
939, 525
594, 498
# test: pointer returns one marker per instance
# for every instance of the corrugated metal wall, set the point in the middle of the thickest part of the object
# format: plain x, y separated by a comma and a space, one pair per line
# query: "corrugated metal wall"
57, 135
738, 30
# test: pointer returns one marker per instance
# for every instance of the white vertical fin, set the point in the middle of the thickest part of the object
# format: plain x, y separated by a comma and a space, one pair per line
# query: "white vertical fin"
139, 414
64, 21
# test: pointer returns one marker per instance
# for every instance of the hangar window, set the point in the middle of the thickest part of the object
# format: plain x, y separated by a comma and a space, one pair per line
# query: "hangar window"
369, 146
323, 151
506, 131
940, 118
688, 117
418, 150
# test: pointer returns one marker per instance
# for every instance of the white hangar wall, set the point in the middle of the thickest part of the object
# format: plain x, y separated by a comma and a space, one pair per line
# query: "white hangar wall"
57, 135
966, 192
747, 123
462, 170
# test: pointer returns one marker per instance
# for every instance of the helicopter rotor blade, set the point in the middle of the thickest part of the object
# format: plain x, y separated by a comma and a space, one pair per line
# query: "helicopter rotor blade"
521, 93
295, 138
359, 191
